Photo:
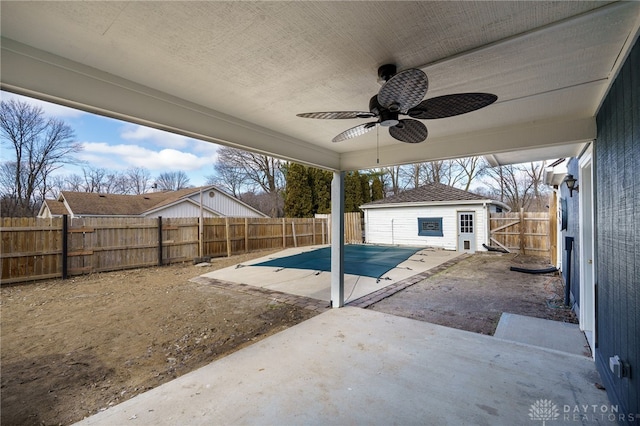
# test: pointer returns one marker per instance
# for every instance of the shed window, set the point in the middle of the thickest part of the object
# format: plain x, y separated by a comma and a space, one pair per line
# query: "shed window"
430, 226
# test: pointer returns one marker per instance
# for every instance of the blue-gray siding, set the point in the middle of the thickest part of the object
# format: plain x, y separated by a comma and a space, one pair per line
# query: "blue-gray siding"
617, 176
572, 275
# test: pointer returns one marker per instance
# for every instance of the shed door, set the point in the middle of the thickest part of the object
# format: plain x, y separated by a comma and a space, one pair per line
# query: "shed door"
467, 232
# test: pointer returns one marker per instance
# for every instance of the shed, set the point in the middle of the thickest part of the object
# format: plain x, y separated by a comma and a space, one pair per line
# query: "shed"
432, 215
181, 203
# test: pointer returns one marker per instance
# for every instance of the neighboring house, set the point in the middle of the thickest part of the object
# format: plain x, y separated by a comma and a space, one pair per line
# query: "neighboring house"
182, 203
600, 239
432, 215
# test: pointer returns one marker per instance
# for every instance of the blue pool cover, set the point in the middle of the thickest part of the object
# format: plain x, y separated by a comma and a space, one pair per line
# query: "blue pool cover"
365, 260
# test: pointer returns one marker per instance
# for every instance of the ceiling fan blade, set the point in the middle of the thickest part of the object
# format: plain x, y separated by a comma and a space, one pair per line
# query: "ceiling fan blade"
337, 115
409, 131
355, 131
451, 105
404, 90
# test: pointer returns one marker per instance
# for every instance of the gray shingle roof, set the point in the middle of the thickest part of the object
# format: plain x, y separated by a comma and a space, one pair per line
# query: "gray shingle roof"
57, 208
431, 192
89, 203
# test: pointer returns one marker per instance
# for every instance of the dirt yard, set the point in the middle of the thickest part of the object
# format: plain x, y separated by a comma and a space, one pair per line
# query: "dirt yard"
472, 294
72, 348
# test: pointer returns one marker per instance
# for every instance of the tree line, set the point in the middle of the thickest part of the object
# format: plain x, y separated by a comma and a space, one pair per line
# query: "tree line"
42, 145
293, 190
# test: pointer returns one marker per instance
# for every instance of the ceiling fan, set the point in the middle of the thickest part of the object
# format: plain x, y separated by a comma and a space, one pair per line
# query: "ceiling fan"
402, 94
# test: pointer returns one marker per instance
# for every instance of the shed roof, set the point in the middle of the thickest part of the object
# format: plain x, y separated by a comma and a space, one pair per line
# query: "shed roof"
432, 192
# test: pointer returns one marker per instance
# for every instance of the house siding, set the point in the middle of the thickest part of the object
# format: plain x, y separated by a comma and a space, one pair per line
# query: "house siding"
571, 275
225, 205
220, 205
399, 225
617, 177
184, 209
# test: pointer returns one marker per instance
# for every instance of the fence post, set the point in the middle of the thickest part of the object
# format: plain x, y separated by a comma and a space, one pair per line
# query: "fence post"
201, 231
522, 231
159, 240
293, 232
284, 234
226, 227
246, 235
65, 247
322, 230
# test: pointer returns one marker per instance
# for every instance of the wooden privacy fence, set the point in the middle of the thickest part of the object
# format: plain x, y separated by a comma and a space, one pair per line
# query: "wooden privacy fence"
353, 229
524, 232
33, 249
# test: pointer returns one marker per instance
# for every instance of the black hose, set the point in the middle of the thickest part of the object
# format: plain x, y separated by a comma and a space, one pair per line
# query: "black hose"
490, 248
534, 271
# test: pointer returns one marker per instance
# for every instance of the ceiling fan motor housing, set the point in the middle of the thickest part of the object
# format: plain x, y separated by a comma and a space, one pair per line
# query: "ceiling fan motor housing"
388, 118
374, 106
385, 72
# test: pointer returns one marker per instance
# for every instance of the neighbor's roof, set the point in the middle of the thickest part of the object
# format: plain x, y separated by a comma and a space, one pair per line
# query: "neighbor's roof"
430, 193
56, 207
89, 203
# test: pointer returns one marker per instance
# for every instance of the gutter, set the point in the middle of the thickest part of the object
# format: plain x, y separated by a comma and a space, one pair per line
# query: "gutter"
435, 203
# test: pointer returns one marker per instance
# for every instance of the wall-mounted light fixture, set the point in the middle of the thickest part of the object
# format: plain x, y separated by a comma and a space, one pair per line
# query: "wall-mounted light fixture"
570, 181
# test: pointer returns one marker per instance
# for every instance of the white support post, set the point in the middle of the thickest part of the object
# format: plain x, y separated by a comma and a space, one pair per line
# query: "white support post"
337, 240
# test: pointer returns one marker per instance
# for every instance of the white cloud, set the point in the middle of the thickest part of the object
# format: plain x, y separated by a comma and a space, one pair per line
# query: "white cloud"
158, 137
205, 148
123, 156
49, 109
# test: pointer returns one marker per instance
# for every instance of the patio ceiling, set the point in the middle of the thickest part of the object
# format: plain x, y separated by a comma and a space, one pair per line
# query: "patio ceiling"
237, 73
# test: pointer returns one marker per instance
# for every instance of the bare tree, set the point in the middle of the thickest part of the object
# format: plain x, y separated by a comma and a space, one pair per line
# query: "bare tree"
392, 179
57, 183
262, 201
40, 146
139, 180
441, 171
470, 168
413, 175
8, 179
73, 182
173, 181
253, 172
118, 183
229, 178
535, 173
95, 179
519, 186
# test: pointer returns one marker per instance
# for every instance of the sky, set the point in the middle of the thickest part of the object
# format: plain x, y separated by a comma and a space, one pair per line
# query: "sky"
118, 145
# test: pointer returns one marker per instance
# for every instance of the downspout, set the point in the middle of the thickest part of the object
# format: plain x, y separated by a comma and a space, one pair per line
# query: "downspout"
487, 223
392, 236
568, 247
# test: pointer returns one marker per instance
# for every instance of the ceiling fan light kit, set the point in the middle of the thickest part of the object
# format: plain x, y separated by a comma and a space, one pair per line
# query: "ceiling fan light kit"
403, 94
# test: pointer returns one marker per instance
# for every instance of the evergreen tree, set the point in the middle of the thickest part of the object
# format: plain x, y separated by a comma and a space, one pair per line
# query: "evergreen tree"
352, 192
321, 185
298, 201
377, 189
366, 188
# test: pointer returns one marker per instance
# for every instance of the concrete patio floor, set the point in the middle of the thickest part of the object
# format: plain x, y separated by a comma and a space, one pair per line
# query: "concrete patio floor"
317, 285
357, 366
